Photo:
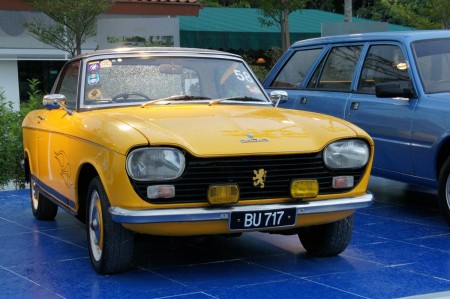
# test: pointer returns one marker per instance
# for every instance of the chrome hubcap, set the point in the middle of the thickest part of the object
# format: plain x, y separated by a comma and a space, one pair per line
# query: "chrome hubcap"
447, 191
34, 195
95, 226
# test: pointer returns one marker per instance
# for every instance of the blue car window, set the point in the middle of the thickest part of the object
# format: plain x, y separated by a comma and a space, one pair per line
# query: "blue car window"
294, 71
433, 63
383, 63
336, 73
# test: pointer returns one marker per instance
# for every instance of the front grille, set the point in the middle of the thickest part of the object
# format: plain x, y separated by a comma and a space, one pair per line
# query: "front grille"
200, 173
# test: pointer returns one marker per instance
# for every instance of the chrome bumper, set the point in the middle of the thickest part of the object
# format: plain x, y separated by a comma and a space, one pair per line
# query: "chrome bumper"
223, 212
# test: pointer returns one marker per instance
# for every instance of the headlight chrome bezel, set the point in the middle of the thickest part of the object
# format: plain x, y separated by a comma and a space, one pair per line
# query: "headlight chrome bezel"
347, 154
155, 164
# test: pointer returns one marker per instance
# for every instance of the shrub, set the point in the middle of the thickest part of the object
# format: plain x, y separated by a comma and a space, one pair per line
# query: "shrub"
11, 139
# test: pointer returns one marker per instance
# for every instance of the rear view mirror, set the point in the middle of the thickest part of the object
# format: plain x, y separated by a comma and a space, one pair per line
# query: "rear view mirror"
171, 69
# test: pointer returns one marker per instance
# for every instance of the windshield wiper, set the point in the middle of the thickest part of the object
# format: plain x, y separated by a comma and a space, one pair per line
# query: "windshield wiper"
239, 98
181, 97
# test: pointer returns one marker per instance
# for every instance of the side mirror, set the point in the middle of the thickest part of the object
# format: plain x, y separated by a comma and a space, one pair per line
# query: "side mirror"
55, 101
278, 96
394, 90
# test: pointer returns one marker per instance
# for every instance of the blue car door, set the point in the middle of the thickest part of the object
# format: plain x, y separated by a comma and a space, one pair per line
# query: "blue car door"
387, 120
319, 79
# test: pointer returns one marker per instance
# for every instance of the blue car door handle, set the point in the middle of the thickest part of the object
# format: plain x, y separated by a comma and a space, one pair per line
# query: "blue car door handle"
354, 106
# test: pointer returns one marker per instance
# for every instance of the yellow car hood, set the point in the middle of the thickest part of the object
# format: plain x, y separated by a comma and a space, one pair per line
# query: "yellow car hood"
220, 129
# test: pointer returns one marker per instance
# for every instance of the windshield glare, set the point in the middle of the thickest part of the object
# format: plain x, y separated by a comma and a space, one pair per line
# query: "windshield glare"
433, 62
125, 81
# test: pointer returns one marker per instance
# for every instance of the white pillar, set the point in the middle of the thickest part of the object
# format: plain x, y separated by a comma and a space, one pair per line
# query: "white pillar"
9, 81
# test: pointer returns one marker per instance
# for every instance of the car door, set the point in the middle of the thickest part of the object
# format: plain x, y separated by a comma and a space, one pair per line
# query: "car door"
319, 79
296, 65
54, 166
387, 120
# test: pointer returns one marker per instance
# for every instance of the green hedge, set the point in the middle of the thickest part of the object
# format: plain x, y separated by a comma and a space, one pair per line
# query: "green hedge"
11, 139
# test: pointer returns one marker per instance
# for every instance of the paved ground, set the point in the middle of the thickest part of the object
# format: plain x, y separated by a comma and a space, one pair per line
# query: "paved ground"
400, 248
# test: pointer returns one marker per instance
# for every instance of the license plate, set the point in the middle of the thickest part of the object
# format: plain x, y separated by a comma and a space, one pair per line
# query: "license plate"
263, 219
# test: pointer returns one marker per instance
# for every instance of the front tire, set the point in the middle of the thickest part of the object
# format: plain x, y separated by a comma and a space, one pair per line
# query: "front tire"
41, 206
327, 239
444, 190
110, 244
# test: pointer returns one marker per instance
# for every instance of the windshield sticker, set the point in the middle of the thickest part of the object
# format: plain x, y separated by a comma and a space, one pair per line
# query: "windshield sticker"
228, 72
253, 89
106, 63
93, 67
94, 94
93, 78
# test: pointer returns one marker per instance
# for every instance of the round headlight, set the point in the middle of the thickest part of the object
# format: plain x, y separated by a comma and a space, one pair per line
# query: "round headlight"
350, 153
155, 164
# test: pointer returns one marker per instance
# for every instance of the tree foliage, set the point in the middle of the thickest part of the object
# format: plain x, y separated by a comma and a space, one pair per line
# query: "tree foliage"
11, 141
73, 22
276, 12
431, 14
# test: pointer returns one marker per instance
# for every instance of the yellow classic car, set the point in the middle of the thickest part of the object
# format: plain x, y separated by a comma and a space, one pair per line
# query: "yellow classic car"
185, 142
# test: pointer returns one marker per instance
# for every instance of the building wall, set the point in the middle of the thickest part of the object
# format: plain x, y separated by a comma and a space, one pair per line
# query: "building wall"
9, 82
113, 31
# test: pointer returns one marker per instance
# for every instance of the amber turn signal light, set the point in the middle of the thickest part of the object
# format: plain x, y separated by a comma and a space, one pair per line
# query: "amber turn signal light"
223, 194
304, 188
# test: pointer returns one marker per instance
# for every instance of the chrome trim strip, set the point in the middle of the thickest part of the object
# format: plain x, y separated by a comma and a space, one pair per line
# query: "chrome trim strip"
56, 197
121, 215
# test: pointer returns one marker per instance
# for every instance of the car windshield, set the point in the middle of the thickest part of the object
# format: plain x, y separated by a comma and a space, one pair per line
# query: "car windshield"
433, 62
164, 80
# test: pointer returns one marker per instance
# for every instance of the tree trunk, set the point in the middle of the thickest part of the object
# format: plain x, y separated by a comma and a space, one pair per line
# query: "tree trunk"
348, 7
287, 38
78, 44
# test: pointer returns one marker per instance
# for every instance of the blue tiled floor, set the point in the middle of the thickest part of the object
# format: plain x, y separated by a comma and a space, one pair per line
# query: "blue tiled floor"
400, 248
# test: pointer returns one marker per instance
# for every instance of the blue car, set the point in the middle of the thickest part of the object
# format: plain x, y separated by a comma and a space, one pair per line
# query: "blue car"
394, 85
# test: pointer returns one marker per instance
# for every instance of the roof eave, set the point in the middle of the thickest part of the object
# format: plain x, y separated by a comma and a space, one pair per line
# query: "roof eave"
181, 8
131, 7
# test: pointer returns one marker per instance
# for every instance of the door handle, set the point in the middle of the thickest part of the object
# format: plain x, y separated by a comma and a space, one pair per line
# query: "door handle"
303, 100
354, 106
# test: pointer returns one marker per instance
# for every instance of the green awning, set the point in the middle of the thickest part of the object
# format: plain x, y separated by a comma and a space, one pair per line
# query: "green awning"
236, 40
239, 28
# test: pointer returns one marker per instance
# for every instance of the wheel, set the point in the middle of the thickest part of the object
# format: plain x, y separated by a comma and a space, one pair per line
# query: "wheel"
110, 244
41, 206
327, 239
444, 190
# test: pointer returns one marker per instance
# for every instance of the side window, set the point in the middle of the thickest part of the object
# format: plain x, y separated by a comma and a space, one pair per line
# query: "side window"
433, 63
384, 63
295, 69
336, 73
68, 84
